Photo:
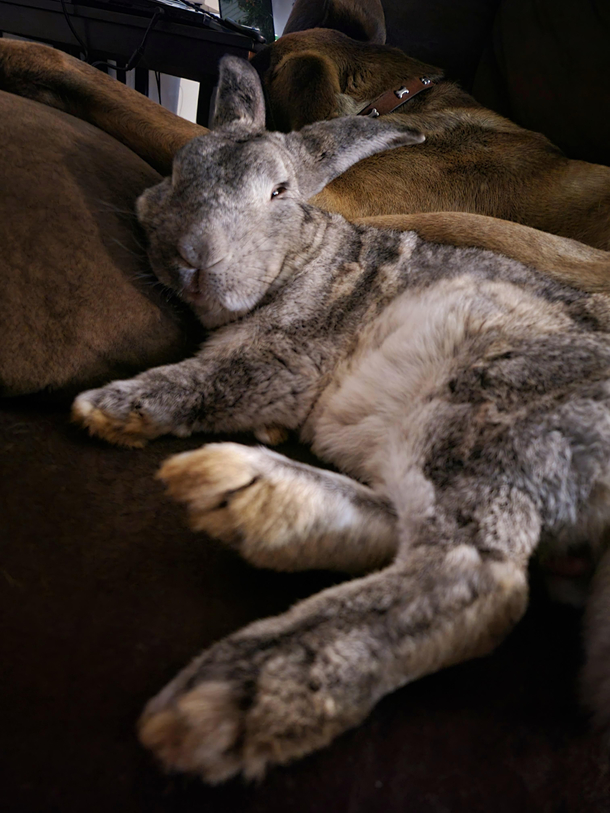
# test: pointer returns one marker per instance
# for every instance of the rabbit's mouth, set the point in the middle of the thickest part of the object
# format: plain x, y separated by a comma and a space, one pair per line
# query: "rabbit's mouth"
192, 291
206, 294
193, 288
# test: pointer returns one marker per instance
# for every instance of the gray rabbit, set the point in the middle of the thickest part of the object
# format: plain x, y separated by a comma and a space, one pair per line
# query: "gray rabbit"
467, 395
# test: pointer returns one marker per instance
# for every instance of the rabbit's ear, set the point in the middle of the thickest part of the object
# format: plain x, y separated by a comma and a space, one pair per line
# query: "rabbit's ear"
324, 150
239, 96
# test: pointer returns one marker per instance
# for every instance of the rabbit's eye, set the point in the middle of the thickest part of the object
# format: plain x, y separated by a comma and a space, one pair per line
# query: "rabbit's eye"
279, 190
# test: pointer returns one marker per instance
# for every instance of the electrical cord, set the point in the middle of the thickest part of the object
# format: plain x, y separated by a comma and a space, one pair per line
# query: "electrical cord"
137, 55
158, 80
84, 48
133, 60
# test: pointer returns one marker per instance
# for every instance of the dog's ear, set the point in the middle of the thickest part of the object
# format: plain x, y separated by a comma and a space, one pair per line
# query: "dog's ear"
317, 80
324, 150
239, 96
362, 20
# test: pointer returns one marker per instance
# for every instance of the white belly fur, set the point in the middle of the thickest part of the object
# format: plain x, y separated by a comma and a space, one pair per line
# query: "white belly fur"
375, 413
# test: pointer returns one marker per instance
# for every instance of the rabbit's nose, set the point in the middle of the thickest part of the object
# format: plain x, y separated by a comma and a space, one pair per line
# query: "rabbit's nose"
188, 253
199, 254
190, 280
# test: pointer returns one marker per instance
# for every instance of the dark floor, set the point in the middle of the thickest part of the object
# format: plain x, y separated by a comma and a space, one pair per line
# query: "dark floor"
105, 595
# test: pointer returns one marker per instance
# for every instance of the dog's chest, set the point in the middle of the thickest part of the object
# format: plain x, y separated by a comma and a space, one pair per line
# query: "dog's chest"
393, 392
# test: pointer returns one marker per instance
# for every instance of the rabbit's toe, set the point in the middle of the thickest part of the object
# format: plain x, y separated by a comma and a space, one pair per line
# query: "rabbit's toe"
116, 414
197, 733
236, 493
243, 706
272, 435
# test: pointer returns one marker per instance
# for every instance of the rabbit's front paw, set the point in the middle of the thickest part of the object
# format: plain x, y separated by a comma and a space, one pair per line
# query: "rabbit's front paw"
122, 413
248, 703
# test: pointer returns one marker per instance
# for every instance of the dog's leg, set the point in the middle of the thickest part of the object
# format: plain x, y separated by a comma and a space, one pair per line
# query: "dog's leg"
285, 686
54, 78
282, 514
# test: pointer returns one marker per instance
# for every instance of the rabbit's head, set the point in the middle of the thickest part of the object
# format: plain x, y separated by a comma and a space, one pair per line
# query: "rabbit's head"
224, 228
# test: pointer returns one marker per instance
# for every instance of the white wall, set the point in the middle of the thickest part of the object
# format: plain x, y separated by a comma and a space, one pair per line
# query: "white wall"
281, 12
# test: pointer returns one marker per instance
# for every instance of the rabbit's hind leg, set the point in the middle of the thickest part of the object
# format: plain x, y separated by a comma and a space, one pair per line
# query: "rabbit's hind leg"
285, 686
279, 513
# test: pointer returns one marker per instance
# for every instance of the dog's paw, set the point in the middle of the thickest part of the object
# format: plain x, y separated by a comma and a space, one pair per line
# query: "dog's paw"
246, 704
119, 413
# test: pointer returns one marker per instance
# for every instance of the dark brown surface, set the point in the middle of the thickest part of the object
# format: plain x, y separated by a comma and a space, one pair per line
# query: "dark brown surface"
546, 66
450, 35
105, 595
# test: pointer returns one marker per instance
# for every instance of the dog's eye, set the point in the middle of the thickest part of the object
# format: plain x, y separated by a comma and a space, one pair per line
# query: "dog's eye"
279, 190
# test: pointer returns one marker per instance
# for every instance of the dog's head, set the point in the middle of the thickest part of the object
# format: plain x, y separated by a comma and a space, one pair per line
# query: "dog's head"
330, 61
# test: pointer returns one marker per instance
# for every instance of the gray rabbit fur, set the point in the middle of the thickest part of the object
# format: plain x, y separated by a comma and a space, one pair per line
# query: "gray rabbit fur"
466, 395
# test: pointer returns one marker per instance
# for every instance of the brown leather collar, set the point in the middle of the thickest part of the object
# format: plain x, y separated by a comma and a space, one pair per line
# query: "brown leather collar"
392, 99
